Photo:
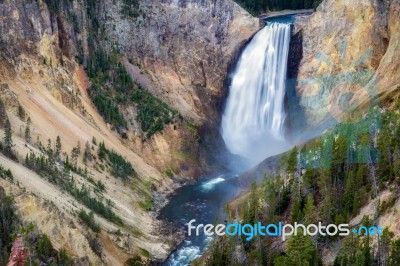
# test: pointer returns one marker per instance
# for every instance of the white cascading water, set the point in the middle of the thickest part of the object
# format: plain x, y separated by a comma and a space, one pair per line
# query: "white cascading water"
254, 117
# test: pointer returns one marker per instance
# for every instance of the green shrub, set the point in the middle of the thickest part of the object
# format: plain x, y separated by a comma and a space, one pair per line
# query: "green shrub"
119, 166
153, 113
147, 205
144, 252
135, 261
6, 173
106, 107
83, 195
88, 219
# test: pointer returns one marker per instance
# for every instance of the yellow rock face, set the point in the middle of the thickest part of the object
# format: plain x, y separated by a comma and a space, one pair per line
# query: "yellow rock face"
349, 47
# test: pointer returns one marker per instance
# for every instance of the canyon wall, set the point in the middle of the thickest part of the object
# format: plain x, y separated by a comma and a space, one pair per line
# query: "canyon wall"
182, 51
184, 47
349, 61
178, 50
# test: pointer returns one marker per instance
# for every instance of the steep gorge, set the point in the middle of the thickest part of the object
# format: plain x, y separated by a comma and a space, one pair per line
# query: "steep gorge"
179, 51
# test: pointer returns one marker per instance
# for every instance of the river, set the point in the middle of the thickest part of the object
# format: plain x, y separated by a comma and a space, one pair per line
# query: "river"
205, 200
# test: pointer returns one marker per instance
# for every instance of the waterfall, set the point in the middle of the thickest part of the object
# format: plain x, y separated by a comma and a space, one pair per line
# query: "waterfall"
254, 117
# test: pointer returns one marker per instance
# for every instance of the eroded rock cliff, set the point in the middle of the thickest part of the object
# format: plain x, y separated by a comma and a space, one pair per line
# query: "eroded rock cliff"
182, 51
178, 50
349, 61
185, 47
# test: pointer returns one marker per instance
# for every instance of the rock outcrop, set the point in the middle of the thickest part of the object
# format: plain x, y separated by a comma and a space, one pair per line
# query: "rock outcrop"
349, 61
184, 47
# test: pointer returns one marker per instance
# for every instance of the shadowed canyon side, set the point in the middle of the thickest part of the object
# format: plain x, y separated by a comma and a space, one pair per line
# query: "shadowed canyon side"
90, 157
253, 123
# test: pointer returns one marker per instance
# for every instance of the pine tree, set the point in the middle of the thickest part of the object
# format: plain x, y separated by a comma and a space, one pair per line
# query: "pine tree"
28, 130
295, 211
395, 253
385, 161
396, 160
87, 154
366, 249
21, 112
300, 250
101, 151
310, 213
251, 216
78, 148
272, 195
49, 149
339, 156
38, 141
309, 180
7, 140
292, 162
76, 151
384, 247
348, 195
367, 252
74, 156
325, 188
58, 148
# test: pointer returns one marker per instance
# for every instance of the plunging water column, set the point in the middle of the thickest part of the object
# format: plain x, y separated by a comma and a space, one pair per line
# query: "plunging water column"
254, 118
